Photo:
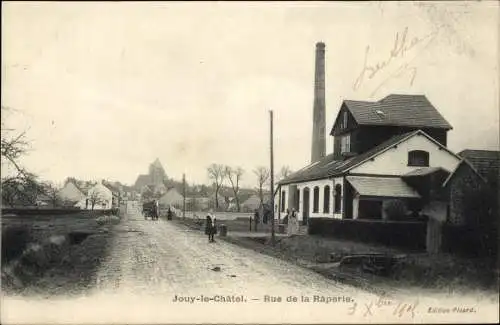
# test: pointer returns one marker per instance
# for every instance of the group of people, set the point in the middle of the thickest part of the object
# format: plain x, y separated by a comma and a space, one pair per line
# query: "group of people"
292, 221
210, 227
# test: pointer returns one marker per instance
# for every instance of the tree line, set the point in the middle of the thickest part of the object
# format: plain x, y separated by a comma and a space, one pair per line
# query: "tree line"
219, 174
24, 188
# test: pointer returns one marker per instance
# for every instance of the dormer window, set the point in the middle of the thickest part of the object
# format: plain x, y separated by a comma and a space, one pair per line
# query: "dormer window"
344, 120
418, 158
345, 143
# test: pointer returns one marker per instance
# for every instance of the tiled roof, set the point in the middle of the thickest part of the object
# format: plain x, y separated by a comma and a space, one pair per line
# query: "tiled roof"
382, 187
328, 166
84, 187
486, 163
398, 110
111, 187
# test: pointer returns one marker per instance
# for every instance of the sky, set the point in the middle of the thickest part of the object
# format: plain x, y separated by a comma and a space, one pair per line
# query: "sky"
103, 89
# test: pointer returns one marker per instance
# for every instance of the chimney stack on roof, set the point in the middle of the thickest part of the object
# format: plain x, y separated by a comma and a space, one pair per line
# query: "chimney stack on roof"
318, 149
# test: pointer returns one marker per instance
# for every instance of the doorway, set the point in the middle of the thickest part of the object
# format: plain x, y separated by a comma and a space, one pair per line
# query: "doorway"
305, 206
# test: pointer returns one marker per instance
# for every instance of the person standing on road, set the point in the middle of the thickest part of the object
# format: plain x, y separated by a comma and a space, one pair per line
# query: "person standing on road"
287, 217
208, 226
157, 210
256, 219
293, 224
213, 229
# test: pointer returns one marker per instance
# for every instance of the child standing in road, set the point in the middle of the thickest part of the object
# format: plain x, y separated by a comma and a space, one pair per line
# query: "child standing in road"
213, 229
208, 226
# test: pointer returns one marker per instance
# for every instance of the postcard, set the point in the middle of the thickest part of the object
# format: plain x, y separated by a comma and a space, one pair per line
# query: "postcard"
250, 162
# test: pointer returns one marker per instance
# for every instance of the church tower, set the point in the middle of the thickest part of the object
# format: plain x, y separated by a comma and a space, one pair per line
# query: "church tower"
157, 173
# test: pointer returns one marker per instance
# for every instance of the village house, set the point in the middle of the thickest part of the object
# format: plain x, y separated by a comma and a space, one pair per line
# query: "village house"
72, 194
99, 197
253, 203
385, 151
116, 191
172, 198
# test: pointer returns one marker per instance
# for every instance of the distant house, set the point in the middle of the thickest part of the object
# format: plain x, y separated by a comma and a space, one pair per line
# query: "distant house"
72, 194
43, 200
99, 197
253, 203
159, 189
116, 192
171, 198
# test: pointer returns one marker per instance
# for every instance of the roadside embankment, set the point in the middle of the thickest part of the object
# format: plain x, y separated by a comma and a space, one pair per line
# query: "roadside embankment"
53, 255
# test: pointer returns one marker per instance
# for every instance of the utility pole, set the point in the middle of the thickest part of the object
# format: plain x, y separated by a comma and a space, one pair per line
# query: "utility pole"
183, 196
272, 179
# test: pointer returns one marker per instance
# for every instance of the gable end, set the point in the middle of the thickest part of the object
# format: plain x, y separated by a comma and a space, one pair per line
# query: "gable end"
338, 125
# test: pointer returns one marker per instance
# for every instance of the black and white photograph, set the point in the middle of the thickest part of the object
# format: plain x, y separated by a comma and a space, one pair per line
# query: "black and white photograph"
250, 162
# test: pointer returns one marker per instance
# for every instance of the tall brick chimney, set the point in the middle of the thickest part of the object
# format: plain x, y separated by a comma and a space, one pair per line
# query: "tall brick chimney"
318, 149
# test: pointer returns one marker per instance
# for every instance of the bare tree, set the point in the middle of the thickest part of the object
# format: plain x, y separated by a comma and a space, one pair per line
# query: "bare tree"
285, 171
13, 145
94, 199
10, 191
21, 190
20, 187
263, 174
234, 175
52, 191
216, 172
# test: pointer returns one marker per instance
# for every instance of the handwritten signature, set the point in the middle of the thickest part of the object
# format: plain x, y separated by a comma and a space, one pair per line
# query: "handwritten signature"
402, 45
399, 308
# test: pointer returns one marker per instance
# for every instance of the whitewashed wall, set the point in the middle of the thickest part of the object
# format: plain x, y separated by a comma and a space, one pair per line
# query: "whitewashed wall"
311, 185
71, 192
395, 160
105, 197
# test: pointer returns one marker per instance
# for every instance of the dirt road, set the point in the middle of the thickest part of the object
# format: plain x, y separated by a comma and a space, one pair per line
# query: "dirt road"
160, 258
159, 272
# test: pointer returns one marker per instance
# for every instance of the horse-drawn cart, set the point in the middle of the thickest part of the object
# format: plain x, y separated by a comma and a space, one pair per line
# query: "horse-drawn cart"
150, 210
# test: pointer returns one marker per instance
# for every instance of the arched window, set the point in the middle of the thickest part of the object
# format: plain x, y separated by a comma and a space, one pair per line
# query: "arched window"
418, 158
326, 199
297, 200
338, 196
283, 197
316, 200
